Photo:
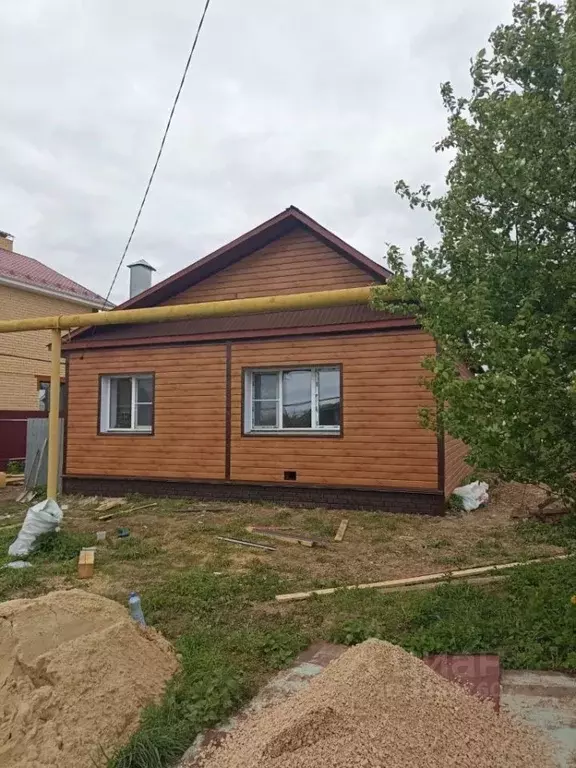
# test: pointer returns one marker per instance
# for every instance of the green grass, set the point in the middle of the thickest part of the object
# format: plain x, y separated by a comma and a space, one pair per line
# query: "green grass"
226, 651
228, 648
17, 581
59, 546
528, 620
561, 533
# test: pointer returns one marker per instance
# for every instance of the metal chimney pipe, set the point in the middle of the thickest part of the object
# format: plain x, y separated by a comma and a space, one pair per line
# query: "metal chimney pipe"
140, 277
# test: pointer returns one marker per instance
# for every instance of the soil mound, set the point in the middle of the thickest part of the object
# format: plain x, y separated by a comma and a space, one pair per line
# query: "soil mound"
75, 673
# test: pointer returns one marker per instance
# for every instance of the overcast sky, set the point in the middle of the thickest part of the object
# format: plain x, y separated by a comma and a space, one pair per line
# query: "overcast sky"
322, 104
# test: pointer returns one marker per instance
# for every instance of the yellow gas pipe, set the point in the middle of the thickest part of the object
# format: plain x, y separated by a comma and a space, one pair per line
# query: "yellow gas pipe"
342, 297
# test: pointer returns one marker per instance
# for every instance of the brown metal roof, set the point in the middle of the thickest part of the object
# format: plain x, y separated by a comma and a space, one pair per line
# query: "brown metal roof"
327, 320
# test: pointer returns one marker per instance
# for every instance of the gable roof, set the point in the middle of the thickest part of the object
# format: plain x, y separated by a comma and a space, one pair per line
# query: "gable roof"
231, 253
242, 246
25, 273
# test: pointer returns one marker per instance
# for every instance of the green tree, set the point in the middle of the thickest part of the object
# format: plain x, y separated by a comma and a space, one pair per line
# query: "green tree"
498, 291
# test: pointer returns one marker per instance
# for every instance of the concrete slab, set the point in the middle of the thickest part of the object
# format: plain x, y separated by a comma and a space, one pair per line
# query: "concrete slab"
546, 700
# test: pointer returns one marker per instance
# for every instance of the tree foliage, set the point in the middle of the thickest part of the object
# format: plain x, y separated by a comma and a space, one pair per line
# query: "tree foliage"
498, 292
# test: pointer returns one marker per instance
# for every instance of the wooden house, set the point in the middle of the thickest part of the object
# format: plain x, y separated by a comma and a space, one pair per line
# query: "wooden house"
315, 407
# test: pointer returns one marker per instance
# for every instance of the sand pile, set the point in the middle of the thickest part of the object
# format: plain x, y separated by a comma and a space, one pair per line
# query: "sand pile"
374, 707
75, 672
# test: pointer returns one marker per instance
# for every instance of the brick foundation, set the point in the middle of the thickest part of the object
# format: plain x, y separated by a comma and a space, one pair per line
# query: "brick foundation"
402, 501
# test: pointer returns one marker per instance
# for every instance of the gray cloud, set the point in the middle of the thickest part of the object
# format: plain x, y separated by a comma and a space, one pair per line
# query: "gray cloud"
319, 104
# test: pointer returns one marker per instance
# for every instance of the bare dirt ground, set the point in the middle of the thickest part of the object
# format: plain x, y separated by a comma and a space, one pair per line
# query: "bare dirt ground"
178, 534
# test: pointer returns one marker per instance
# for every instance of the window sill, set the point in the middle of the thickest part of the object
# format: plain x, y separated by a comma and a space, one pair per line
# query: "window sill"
126, 432
293, 433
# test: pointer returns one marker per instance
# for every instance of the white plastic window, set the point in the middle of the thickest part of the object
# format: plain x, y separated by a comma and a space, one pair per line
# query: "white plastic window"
293, 400
127, 403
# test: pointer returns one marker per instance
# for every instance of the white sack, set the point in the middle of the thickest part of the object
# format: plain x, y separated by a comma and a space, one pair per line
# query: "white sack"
473, 495
43, 517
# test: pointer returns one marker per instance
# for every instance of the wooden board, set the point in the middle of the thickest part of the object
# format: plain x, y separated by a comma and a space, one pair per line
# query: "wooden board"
290, 538
108, 504
341, 530
429, 578
246, 543
86, 564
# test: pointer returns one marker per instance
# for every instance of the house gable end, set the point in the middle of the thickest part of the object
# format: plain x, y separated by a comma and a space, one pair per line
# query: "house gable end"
290, 253
297, 262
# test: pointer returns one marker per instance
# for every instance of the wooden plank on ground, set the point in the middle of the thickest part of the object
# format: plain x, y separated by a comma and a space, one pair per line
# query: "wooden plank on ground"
341, 530
246, 543
140, 508
109, 504
291, 538
14, 479
86, 564
432, 577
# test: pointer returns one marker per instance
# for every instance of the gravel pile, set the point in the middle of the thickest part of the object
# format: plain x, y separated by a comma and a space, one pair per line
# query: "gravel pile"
379, 707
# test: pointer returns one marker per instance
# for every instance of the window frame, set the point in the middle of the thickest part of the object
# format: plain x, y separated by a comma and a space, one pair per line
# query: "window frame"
316, 430
104, 380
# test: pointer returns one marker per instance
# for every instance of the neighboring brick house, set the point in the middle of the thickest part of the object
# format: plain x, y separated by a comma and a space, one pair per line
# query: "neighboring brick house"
29, 288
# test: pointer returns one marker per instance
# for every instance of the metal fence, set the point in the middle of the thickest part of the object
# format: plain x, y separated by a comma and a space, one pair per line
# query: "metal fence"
36, 471
13, 427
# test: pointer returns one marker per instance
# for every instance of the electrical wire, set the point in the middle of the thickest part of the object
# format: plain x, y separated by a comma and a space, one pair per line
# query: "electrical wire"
161, 149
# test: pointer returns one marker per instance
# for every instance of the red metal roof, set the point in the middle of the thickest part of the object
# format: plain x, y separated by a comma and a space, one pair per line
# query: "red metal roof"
28, 271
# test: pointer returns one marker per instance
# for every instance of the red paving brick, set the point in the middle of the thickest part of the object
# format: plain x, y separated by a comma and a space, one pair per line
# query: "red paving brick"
478, 674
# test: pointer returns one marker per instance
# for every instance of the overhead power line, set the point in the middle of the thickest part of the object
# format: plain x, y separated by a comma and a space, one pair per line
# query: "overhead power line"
160, 150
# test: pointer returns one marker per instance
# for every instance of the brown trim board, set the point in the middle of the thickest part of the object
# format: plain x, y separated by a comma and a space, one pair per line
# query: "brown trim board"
228, 413
441, 461
65, 426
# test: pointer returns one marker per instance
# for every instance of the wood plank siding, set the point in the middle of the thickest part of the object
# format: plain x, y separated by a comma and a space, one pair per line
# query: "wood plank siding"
382, 444
295, 263
189, 414
455, 467
198, 410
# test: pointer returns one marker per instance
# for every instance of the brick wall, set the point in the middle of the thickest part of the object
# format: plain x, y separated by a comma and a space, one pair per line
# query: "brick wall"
297, 495
25, 355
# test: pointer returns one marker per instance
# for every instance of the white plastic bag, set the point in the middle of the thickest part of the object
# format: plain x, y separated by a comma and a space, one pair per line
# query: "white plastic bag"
18, 564
473, 495
43, 517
